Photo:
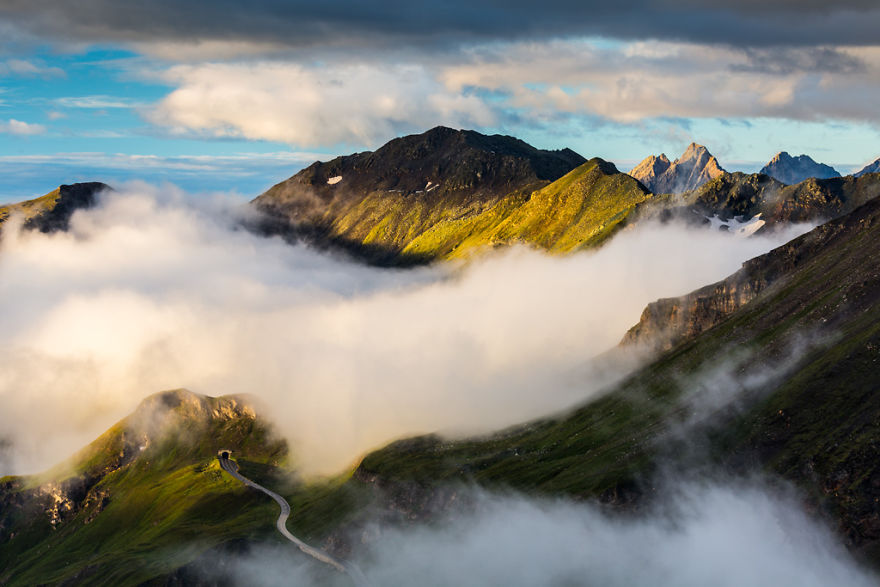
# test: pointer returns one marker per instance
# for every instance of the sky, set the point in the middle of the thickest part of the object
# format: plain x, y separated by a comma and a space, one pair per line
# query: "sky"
234, 97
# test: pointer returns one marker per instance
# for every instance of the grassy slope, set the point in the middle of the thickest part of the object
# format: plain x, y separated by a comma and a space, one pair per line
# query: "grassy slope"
164, 509
30, 208
817, 425
580, 209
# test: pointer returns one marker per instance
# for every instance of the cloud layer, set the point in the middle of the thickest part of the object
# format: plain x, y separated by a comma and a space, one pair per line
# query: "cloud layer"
153, 291
729, 535
352, 24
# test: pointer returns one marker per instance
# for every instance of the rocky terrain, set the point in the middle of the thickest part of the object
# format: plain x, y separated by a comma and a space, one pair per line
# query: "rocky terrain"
791, 170
695, 167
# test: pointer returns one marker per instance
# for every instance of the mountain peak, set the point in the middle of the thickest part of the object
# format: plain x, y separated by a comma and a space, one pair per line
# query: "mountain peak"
792, 170
872, 167
695, 167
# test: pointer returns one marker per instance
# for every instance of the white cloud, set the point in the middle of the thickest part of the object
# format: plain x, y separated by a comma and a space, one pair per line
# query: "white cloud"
96, 102
149, 292
723, 534
27, 68
353, 103
17, 127
634, 81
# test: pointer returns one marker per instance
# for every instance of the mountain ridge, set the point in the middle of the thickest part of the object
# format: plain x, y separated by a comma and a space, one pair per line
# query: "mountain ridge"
792, 170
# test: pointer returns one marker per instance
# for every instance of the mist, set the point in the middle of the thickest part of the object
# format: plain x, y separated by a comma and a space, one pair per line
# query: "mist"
722, 533
155, 289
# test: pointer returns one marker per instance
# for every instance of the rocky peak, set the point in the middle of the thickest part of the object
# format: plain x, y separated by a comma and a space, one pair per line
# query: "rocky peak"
791, 170
695, 167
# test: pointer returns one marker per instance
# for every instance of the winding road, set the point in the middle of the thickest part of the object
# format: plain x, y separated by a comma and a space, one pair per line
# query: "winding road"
350, 569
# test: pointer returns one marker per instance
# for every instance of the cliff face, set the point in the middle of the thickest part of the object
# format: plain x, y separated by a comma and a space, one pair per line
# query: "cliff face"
791, 170
695, 167
668, 322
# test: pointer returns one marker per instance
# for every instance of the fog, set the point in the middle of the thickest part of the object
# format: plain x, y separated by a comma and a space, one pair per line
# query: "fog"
155, 289
727, 533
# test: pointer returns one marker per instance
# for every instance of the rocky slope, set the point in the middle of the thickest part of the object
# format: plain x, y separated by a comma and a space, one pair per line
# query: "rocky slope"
873, 167
53, 211
791, 170
447, 193
695, 167
746, 196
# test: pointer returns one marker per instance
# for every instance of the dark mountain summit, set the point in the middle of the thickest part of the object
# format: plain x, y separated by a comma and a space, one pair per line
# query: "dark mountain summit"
440, 163
791, 170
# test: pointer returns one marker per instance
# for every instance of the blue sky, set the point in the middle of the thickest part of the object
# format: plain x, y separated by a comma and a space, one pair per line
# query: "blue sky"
233, 105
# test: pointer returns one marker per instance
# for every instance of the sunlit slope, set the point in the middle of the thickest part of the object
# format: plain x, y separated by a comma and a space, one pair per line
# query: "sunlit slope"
148, 497
53, 211
788, 384
579, 210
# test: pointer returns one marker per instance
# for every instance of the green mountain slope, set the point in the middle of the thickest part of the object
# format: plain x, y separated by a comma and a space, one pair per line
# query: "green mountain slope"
446, 193
148, 497
788, 383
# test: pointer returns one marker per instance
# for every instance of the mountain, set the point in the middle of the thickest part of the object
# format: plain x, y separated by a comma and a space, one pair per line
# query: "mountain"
695, 167
53, 211
873, 167
148, 498
446, 193
782, 381
766, 201
791, 170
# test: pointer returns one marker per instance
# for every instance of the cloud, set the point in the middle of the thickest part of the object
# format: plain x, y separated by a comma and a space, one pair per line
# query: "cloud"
153, 291
17, 127
28, 68
726, 534
352, 103
632, 82
351, 24
96, 102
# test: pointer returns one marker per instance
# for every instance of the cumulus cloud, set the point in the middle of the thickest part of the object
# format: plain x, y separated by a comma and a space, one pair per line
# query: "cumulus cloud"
353, 104
697, 534
150, 291
18, 127
364, 103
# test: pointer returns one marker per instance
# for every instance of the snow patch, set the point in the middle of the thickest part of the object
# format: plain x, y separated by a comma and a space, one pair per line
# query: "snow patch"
334, 180
737, 225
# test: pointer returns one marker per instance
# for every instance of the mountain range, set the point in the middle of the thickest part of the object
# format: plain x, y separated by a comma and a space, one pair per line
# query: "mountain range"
772, 370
